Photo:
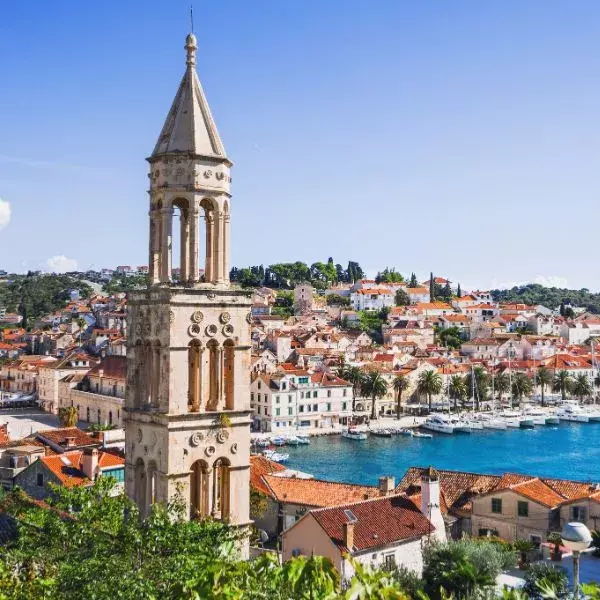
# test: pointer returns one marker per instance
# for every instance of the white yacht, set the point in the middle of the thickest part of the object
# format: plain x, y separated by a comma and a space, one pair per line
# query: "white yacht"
511, 418
494, 422
439, 423
536, 415
572, 412
354, 434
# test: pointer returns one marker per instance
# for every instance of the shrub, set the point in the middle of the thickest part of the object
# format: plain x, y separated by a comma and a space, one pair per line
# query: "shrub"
408, 581
547, 575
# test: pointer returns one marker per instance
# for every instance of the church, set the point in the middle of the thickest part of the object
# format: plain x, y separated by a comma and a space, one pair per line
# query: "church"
187, 407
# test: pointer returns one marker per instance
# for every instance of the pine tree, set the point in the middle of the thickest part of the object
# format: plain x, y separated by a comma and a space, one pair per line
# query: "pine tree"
431, 288
413, 281
458, 291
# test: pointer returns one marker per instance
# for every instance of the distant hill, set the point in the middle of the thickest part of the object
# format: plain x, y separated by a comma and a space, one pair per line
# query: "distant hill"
551, 297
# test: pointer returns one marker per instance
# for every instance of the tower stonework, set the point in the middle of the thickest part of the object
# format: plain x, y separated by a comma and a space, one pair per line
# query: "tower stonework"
187, 408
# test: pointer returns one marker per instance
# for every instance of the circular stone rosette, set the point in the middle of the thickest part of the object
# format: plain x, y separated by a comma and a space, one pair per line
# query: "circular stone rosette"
210, 451
194, 329
228, 330
197, 316
196, 438
212, 330
234, 448
222, 437
225, 317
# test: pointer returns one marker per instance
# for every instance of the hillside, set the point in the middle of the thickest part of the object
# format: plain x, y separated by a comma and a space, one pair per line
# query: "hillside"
551, 297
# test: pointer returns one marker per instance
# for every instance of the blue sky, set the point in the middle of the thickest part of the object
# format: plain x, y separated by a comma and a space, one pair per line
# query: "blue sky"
456, 137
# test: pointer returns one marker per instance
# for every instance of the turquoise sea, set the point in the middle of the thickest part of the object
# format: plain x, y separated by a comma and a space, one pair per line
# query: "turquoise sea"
569, 450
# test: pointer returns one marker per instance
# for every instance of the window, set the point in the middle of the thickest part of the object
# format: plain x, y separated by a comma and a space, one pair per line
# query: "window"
578, 513
259, 410
302, 379
301, 395
329, 407
301, 408
276, 399
259, 385
289, 398
497, 506
290, 411
486, 532
344, 405
344, 392
118, 474
277, 412
389, 561
523, 509
315, 407
315, 394
251, 396
329, 393
283, 384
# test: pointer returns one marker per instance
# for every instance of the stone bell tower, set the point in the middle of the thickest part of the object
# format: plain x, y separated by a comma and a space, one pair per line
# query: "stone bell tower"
187, 409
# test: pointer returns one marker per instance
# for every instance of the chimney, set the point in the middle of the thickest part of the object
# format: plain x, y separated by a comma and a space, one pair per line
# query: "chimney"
387, 485
349, 535
430, 502
89, 463
69, 442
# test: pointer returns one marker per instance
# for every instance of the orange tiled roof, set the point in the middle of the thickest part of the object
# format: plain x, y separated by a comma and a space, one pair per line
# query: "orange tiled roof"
67, 466
316, 492
379, 522
259, 466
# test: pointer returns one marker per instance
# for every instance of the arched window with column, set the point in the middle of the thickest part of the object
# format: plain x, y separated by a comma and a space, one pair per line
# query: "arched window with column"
199, 488
194, 375
229, 373
140, 486
214, 375
152, 475
221, 491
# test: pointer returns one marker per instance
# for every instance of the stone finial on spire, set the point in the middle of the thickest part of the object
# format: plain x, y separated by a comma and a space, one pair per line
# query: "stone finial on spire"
191, 47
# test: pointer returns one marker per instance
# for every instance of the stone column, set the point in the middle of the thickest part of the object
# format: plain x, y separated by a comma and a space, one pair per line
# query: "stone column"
193, 246
184, 261
165, 249
209, 217
217, 275
225, 259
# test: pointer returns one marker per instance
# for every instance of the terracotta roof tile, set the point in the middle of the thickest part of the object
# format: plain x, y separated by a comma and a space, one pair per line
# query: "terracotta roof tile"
259, 466
316, 492
379, 522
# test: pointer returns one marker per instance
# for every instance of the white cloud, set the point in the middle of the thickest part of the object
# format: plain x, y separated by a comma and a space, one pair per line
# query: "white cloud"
551, 281
4, 213
60, 264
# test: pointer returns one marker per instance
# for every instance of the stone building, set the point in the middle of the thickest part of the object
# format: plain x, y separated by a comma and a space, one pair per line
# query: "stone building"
187, 405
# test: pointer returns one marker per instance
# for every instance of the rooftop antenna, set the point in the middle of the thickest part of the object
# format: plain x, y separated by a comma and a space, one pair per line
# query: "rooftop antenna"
192, 17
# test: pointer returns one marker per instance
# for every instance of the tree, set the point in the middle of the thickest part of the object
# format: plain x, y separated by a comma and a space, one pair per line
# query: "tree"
478, 383
68, 416
458, 291
431, 288
82, 324
581, 386
563, 383
544, 377
457, 389
374, 386
355, 376
429, 383
447, 292
402, 298
521, 386
337, 300
400, 384
502, 384
389, 276
450, 337
413, 281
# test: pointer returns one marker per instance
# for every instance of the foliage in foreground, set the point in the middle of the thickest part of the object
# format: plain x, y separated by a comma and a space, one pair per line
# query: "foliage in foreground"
93, 545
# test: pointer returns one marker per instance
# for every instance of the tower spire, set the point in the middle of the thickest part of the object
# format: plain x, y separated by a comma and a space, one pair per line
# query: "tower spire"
191, 46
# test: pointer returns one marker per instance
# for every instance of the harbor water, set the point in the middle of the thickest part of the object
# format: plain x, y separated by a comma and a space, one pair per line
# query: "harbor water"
569, 450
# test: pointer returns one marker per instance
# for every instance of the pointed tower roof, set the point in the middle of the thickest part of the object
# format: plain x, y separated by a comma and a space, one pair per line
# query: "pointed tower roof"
189, 126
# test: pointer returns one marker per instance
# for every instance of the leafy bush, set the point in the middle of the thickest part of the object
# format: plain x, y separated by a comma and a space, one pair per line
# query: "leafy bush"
408, 581
546, 575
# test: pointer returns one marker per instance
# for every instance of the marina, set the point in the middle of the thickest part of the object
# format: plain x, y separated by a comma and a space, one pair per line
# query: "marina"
570, 449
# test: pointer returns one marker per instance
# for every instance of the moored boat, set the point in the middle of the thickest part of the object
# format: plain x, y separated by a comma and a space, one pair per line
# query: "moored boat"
572, 412
408, 432
276, 456
439, 423
278, 441
354, 434
303, 440
420, 434
263, 443
381, 433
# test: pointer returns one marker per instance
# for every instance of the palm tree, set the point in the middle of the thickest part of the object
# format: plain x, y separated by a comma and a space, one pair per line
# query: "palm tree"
374, 386
521, 386
544, 377
481, 384
355, 376
502, 384
563, 383
457, 389
581, 386
82, 324
429, 383
400, 384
